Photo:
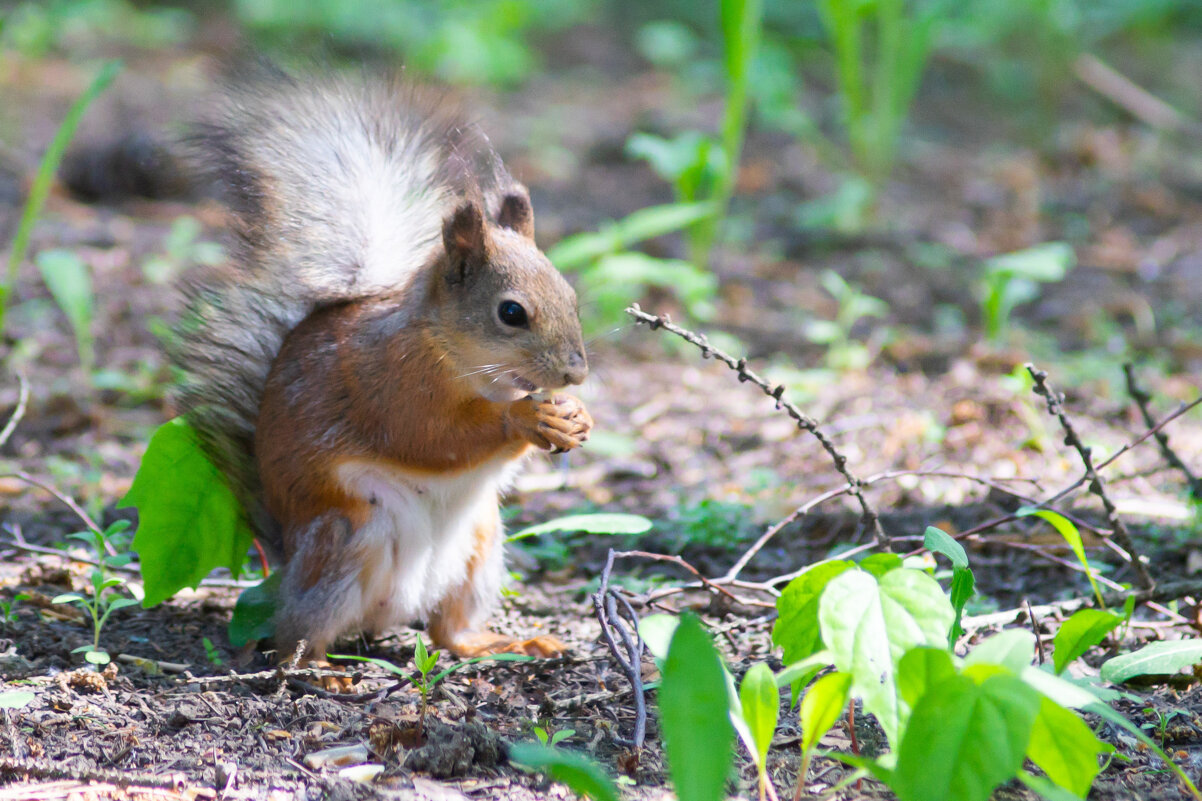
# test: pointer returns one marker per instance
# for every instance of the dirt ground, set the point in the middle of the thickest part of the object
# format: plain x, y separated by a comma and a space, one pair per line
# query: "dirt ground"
936, 426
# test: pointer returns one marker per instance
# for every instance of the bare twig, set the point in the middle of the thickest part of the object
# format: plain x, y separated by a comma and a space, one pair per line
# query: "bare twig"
1142, 400
18, 412
1122, 91
1055, 404
64, 498
605, 602
868, 514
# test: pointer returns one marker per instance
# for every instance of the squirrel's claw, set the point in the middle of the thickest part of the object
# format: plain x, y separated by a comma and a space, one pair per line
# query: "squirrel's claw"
559, 423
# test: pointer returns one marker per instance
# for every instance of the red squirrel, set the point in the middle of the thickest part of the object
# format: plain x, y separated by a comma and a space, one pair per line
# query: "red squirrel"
378, 356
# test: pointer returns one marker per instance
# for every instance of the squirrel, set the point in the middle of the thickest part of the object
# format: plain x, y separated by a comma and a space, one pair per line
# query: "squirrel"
379, 354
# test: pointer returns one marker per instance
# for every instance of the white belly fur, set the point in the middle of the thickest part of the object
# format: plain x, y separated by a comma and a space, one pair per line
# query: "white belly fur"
416, 546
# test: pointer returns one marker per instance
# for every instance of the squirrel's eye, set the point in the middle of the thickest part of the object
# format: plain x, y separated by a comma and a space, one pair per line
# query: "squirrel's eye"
512, 313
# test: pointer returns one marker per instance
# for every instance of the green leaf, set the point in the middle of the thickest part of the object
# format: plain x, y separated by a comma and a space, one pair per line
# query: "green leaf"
869, 624
1013, 649
936, 540
70, 284
1065, 748
254, 612
921, 669
799, 674
1154, 659
1045, 788
591, 524
1046, 263
796, 628
121, 603
584, 776
15, 699
656, 631
1069, 531
964, 586
1085, 629
189, 520
760, 701
878, 564
576, 251
67, 598
97, 657
965, 739
694, 715
821, 707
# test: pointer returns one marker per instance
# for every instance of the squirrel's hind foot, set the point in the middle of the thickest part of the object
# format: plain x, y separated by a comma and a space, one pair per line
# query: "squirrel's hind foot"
342, 685
487, 643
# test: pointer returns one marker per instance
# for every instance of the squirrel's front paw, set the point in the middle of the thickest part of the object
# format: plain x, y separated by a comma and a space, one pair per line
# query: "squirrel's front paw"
558, 423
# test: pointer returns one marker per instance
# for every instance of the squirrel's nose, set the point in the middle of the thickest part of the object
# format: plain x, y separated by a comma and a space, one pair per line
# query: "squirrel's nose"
577, 368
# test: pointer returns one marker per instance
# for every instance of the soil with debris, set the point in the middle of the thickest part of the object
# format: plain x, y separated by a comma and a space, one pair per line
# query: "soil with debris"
940, 429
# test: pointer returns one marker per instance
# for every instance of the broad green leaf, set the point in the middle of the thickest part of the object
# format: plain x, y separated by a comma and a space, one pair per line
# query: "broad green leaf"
1085, 629
656, 631
1013, 649
254, 612
591, 524
760, 701
70, 284
581, 774
937, 540
821, 707
869, 624
15, 699
1060, 690
189, 520
1065, 748
796, 628
1072, 536
921, 669
878, 564
695, 715
1154, 659
965, 740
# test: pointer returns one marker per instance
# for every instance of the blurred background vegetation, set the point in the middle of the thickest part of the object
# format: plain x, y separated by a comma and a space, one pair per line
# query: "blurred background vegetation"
816, 134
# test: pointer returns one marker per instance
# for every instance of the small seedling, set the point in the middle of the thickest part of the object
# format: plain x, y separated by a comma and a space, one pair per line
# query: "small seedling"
211, 652
100, 603
843, 351
1013, 279
553, 738
424, 662
8, 609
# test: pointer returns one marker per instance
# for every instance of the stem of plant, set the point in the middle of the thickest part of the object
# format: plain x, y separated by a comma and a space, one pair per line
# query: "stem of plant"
802, 772
40, 189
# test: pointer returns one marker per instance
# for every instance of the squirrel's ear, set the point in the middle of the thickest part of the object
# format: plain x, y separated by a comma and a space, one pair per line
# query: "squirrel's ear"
517, 214
463, 238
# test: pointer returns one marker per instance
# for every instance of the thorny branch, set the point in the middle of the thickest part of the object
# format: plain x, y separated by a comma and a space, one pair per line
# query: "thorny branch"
1142, 399
868, 514
1055, 402
605, 604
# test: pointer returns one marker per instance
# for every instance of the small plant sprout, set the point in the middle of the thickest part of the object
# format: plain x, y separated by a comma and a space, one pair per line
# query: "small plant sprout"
844, 352
1013, 279
553, 738
8, 609
424, 662
101, 602
759, 705
211, 652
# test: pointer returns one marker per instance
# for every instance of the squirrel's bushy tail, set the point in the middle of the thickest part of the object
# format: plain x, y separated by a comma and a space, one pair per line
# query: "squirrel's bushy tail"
337, 190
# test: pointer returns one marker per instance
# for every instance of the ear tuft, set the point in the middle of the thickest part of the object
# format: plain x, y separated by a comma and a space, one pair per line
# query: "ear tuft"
517, 214
463, 238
